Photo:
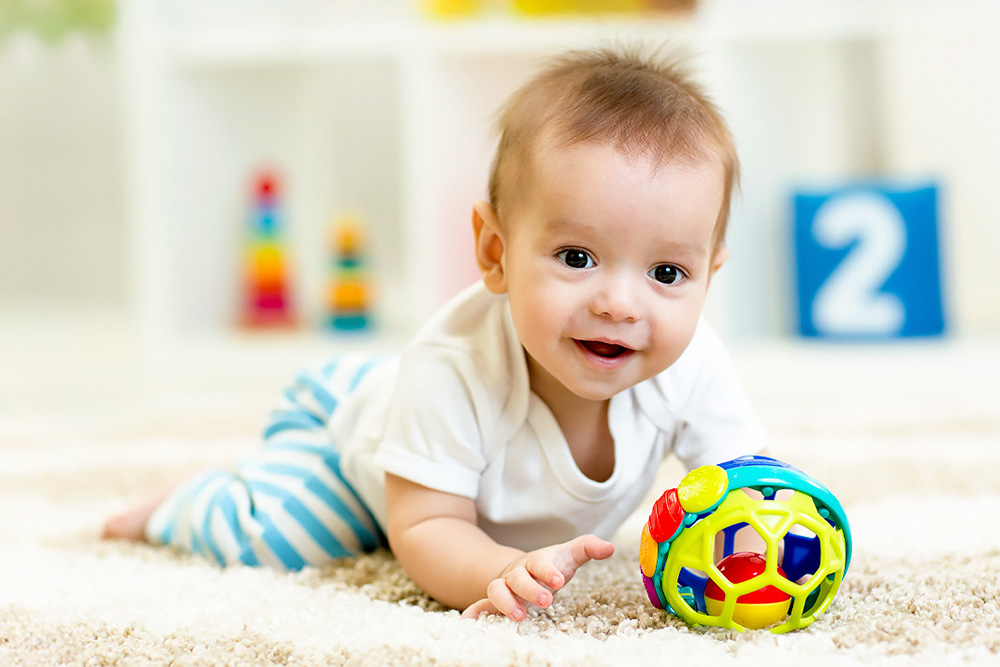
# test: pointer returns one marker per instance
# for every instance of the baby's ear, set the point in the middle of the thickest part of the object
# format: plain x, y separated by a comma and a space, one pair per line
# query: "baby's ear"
718, 259
489, 247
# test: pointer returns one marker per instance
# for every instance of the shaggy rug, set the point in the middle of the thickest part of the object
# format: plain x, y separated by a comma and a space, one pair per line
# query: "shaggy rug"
908, 439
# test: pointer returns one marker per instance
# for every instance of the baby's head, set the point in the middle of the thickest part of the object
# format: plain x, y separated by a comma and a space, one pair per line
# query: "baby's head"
608, 206
645, 108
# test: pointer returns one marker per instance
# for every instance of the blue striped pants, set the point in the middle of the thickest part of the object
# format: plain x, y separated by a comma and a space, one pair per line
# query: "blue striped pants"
287, 506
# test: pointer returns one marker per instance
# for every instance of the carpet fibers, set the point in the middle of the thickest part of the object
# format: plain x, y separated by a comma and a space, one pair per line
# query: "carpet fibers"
917, 469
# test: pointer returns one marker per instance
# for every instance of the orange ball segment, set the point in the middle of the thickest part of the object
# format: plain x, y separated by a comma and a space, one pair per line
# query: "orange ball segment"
755, 610
648, 552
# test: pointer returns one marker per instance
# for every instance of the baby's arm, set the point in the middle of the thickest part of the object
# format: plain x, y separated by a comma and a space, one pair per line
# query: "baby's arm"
437, 541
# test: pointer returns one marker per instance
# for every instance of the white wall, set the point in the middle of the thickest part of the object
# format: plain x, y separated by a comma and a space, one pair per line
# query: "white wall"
800, 114
941, 116
62, 227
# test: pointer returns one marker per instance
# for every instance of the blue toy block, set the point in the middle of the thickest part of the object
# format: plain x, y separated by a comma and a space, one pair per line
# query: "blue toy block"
867, 262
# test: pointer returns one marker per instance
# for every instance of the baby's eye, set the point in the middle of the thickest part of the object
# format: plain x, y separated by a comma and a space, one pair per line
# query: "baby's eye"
575, 258
667, 274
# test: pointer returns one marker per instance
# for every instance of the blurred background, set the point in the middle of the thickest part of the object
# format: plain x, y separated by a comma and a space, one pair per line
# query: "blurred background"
197, 190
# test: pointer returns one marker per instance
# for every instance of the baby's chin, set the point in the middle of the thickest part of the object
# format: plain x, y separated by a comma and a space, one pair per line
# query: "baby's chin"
603, 391
599, 392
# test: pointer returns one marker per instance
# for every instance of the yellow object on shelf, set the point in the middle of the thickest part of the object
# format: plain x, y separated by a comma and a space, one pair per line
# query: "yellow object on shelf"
539, 7
349, 296
445, 9
452, 8
543, 6
348, 237
265, 260
599, 6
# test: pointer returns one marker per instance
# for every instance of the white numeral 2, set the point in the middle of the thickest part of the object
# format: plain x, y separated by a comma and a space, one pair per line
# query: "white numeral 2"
851, 301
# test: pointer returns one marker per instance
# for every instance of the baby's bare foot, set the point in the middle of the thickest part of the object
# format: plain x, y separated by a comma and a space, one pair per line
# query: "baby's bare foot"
131, 524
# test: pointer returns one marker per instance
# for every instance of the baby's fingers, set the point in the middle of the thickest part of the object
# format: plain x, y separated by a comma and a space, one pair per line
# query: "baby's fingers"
478, 608
589, 547
571, 556
504, 600
542, 568
521, 582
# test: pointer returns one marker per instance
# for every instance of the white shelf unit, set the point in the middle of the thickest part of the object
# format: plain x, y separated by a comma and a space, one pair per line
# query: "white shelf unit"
390, 117
387, 118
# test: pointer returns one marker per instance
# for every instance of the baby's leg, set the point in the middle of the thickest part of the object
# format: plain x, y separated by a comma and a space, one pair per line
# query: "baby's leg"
287, 506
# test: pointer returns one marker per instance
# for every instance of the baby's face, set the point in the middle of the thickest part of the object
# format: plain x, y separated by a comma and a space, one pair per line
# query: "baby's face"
607, 263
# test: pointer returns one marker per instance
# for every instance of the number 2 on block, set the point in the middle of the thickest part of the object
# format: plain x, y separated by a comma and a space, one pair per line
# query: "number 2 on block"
851, 302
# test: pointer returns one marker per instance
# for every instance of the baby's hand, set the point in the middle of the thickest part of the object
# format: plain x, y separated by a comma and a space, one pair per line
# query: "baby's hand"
535, 576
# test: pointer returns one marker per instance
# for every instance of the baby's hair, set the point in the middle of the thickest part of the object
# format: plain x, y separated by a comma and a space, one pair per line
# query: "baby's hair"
648, 107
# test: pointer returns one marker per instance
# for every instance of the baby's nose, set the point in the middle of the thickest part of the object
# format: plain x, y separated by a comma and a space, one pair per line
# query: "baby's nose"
618, 299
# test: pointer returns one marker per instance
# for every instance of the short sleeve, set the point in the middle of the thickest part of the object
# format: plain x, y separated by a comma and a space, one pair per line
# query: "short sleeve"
435, 421
714, 419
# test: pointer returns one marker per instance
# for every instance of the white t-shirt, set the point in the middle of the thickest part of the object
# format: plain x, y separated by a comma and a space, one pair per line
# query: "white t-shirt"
456, 414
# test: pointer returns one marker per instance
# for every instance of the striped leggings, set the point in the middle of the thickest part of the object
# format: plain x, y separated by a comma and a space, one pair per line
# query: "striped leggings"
288, 506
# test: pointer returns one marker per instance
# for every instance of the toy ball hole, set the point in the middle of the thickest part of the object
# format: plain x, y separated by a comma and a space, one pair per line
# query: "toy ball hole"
800, 553
769, 493
738, 537
817, 598
691, 586
799, 529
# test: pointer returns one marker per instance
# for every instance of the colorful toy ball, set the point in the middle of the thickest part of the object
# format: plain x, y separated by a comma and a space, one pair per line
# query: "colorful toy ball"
688, 552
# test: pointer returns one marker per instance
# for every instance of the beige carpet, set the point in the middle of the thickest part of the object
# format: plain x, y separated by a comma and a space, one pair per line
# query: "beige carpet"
908, 438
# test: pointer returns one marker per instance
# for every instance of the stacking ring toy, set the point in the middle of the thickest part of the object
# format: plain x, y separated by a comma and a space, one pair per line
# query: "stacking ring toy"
694, 563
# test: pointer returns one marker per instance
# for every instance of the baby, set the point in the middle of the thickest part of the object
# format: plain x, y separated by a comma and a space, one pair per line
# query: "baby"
508, 441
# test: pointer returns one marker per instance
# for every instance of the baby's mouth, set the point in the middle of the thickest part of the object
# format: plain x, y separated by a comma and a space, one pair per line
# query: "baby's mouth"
602, 349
